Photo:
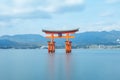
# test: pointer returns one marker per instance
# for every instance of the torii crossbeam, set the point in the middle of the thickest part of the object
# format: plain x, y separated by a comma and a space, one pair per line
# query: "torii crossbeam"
51, 44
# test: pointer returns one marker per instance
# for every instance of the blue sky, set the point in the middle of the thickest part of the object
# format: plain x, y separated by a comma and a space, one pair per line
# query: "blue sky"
31, 16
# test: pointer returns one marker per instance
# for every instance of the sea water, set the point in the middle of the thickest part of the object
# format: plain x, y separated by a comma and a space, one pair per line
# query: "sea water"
81, 64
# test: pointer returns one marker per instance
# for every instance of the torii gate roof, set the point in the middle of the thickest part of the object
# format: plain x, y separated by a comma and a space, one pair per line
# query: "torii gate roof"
60, 31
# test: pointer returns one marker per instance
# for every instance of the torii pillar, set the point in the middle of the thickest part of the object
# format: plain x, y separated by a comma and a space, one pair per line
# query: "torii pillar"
52, 36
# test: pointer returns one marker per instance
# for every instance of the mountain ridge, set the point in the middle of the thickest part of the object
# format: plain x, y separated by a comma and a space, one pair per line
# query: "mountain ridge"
81, 39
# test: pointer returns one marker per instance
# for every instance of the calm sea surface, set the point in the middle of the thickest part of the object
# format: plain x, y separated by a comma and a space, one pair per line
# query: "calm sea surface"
81, 64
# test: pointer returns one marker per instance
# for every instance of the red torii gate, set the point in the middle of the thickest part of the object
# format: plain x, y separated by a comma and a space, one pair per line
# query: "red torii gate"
51, 44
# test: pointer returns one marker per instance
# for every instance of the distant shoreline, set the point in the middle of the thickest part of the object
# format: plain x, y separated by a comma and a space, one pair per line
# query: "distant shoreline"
59, 48
94, 46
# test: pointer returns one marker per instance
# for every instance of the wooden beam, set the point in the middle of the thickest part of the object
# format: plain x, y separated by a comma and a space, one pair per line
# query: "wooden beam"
61, 33
60, 37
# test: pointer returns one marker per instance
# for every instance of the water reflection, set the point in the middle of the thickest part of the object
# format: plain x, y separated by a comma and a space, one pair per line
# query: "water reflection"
68, 66
58, 71
51, 66
79, 65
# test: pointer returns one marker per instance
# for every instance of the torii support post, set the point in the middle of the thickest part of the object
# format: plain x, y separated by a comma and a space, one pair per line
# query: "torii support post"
51, 47
51, 44
68, 46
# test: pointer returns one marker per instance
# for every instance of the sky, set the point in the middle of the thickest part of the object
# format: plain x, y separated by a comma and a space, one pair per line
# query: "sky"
31, 16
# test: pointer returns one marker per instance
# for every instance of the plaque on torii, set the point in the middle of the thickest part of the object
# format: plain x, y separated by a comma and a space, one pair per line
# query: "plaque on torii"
52, 36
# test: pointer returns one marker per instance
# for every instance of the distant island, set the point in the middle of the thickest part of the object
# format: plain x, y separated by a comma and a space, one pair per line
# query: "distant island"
91, 39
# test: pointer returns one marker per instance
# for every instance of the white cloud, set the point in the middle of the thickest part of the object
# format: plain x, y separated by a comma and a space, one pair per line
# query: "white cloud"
100, 26
46, 4
106, 14
27, 9
56, 6
10, 23
3, 24
112, 1
111, 27
20, 3
72, 2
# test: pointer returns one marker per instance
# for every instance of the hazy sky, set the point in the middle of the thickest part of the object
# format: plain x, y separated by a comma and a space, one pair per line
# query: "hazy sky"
31, 16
